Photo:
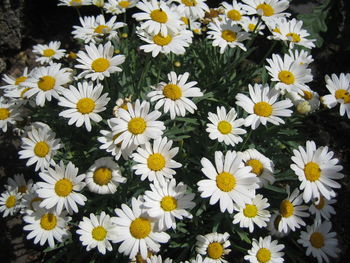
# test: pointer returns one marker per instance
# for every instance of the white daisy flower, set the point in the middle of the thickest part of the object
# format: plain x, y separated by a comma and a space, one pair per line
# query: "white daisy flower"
74, 3
267, 9
225, 127
320, 242
9, 114
213, 247
10, 202
301, 57
39, 146
306, 103
262, 166
234, 11
47, 226
30, 200
158, 259
136, 231
229, 182
168, 202
251, 24
117, 7
61, 188
104, 176
322, 209
265, 251
262, 106
192, 8
339, 87
98, 62
97, 231
84, 103
19, 183
316, 170
13, 89
136, 126
292, 211
174, 95
121, 103
48, 53
273, 224
47, 82
253, 212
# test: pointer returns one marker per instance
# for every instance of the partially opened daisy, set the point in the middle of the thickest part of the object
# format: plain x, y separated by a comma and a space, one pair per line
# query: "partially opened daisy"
224, 127
97, 231
174, 96
192, 8
117, 7
265, 250
19, 183
234, 11
317, 171
47, 53
267, 9
272, 226
98, 62
9, 113
167, 202
322, 209
13, 84
306, 103
30, 200
228, 182
84, 103
61, 188
263, 106
47, 226
213, 247
10, 202
135, 230
320, 242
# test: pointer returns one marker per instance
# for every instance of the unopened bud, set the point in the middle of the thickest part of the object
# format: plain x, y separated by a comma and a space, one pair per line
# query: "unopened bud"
304, 107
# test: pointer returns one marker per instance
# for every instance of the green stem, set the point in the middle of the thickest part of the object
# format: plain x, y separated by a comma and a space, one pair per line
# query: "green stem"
246, 139
143, 74
268, 53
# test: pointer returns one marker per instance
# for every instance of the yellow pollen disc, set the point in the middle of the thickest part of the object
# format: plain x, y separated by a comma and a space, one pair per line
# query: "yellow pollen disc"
317, 240
312, 171
277, 221
100, 65
22, 189
48, 221
102, 176
286, 208
41, 149
4, 113
168, 203
250, 211
224, 127
307, 95
189, 2
124, 4
49, 52
159, 16
172, 91
124, 106
251, 27
185, 20
46, 83
137, 125
63, 187
286, 77
75, 2
162, 41
20, 79
341, 94
24, 92
234, 15
72, 55
277, 30
295, 37
257, 166
346, 98
229, 35
225, 181
320, 204
263, 109
263, 255
156, 162
11, 201
99, 233
215, 250
85, 105
102, 29
266, 8
140, 228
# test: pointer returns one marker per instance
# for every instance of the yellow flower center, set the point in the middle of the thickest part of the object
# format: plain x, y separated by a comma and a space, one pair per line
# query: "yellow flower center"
189, 2
156, 162
46, 83
102, 29
215, 250
41, 149
100, 65
49, 52
4, 113
225, 181
99, 233
124, 4
168, 203
75, 2
277, 30
229, 35
102, 176
295, 37
266, 8
224, 127
312, 171
11, 201
317, 240
320, 204
72, 55
159, 16
85, 105
263, 109
24, 92
22, 189
20, 80
286, 77
185, 20
63, 187
48, 221
263, 255
234, 15
140, 228
342, 94
286, 208
307, 95
257, 166
251, 27
137, 125
162, 41
250, 211
172, 91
